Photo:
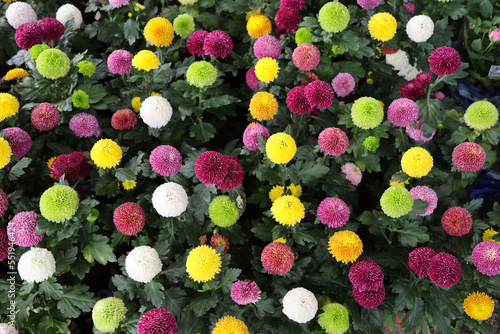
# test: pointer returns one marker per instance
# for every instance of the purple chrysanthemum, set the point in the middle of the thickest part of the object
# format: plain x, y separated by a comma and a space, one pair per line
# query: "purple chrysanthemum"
195, 42
120, 62
287, 19
468, 157
439, 95
51, 28
27, 35
252, 81
73, 166
320, 94
234, 176
118, 3
333, 212
369, 298
411, 90
19, 141
424, 78
366, 275
245, 292
306, 57
368, 4
419, 260
166, 160
444, 270
402, 112
416, 133
211, 167
157, 321
486, 257
84, 125
456, 221
4, 202
21, 229
444, 61
333, 141
267, 46
425, 194
343, 84
4, 244
45, 116
250, 136
218, 44
297, 101
123, 119
292, 4
277, 258
352, 173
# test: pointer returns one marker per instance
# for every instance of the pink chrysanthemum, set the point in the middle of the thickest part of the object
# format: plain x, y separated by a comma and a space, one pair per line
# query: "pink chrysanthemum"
456, 221
267, 46
195, 42
84, 125
277, 258
72, 166
250, 136
320, 94
218, 44
333, 212
252, 81
4, 202
27, 35
402, 112
118, 3
21, 229
312, 76
4, 244
292, 4
19, 141
287, 19
369, 298
352, 173
245, 292
333, 141
157, 321
368, 4
410, 7
51, 28
439, 95
234, 176
297, 101
411, 90
417, 134
444, 61
211, 167
306, 57
343, 84
366, 275
486, 257
166, 160
219, 240
444, 270
424, 78
419, 260
123, 119
468, 157
120, 62
129, 218
425, 194
45, 116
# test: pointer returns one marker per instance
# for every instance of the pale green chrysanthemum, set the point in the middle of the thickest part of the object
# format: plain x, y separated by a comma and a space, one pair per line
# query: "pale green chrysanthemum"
183, 25
481, 115
58, 203
223, 212
86, 68
367, 113
303, 35
371, 143
201, 74
334, 319
52, 64
108, 313
334, 17
37, 49
80, 99
396, 201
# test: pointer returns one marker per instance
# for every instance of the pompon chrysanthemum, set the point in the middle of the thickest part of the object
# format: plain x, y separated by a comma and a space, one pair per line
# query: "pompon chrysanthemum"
288, 210
230, 325
287, 18
136, 104
129, 218
343, 84
417, 134
258, 25
366, 275
16, 73
84, 125
303, 35
420, 28
218, 44
80, 99
300, 305
86, 68
280, 148
419, 260
4, 203
444, 270
396, 201
319, 94
8, 329
333, 17
19, 13
277, 258
27, 35
59, 203
120, 62
250, 136
411, 89
145, 60
382, 26
333, 141
352, 173
223, 212
19, 141
234, 176
444, 61
53, 64
73, 166
369, 298
142, 264
165, 160
5, 152
183, 25
52, 29
333, 212
252, 82
334, 319
367, 113
402, 112
211, 167
159, 32
195, 42
479, 306
297, 101
417, 162
67, 12
10, 106
108, 313
481, 115
106, 153
293, 4
371, 143
203, 263
201, 74
266, 69
36, 50
245, 292
439, 95
368, 4
170, 199
118, 3
410, 7
157, 321
486, 257
219, 240
36, 265
4, 245
276, 192
21, 229
345, 246
156, 111
306, 57
267, 46
123, 119
425, 194
468, 157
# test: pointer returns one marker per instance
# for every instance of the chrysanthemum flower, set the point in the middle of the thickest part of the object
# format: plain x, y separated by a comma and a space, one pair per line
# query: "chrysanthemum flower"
251, 79
371, 143
266, 69
245, 292
368, 4
333, 141
72, 166
367, 113
397, 59
59, 203
80, 99
288, 210
439, 95
481, 115
417, 134
36, 50
287, 18
267, 46
303, 35
183, 25
420, 28
19, 13
16, 73
295, 190
4, 202
8, 329
410, 7
86, 68
369, 298
118, 3
280, 148
67, 12
10, 106
396, 201
156, 111
382, 26
120, 62
219, 240
276, 192
211, 167
106, 153
223, 212
143, 264
170, 199
5, 152
468, 157
333, 212
136, 104
345, 246
36, 265
250, 136
417, 162
444, 61
425, 194
51, 28
306, 57
300, 305
19, 141
352, 173
334, 319
411, 89
230, 324
419, 260
123, 119
218, 44
444, 270
297, 101
157, 321
27, 35
293, 4
21, 229
201, 74
53, 64
129, 218
486, 257
203, 263
108, 313
487, 235
145, 60
402, 112
319, 94
343, 84
234, 176
195, 42
258, 25
479, 306
366, 275
277, 258
166, 160
158, 32
129, 184
333, 17
84, 125
424, 78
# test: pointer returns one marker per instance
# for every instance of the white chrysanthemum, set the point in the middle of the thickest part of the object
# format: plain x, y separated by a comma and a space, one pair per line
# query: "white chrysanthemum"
19, 13
156, 111
300, 305
8, 329
143, 264
170, 199
409, 72
36, 265
398, 60
67, 12
420, 28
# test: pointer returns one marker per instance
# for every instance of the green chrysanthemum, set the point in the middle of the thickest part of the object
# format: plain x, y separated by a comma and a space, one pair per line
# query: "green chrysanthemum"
52, 64
334, 319
108, 313
86, 68
183, 25
303, 35
481, 115
371, 143
80, 99
223, 212
201, 74
333, 17
37, 49
367, 113
58, 203
396, 201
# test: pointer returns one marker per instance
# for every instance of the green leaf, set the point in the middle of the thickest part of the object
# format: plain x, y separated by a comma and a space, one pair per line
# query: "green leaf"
311, 171
431, 115
175, 271
65, 259
486, 8
45, 226
175, 299
107, 186
413, 318
188, 322
99, 250
52, 326
219, 101
419, 207
76, 298
154, 293
411, 234
51, 289
264, 305
131, 30
202, 131
202, 303
228, 278
125, 284
17, 169
474, 206
476, 44
123, 174
95, 92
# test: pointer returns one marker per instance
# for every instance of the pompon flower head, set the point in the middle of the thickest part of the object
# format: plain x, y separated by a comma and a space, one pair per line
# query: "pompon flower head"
439, 95
481, 115
333, 141
52, 64
19, 13
157, 321
120, 62
411, 89
276, 192
21, 229
27, 35
258, 25
417, 162
72, 166
129, 218
80, 99
396, 201
288, 210
280, 148
84, 125
368, 4
333, 212
67, 12
10, 106
343, 84
319, 94
468, 157
303, 35
266, 69
369, 298
277, 258
402, 112
479, 306
136, 104
252, 82
19, 141
8, 329
36, 265
203, 263
5, 152
382, 26
108, 313
334, 319
86, 68
183, 25
245, 292
223, 212
345, 246
420, 28
250, 136
59, 203
156, 111
417, 134
218, 44
444, 61
306, 57
145, 60
287, 18
444, 270
293, 4
367, 113
166, 160
352, 173
486, 257
201, 74
143, 264
333, 17
211, 167
123, 119
371, 143
397, 59
51, 28
195, 42
118, 3
267, 46
37, 49
419, 260
4, 246
424, 78
425, 194
170, 199
219, 240
297, 101
410, 7
4, 202
230, 324
106, 153
159, 32
366, 275
234, 176
300, 305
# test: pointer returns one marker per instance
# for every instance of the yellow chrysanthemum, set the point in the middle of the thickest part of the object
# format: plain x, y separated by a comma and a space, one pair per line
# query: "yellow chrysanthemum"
49, 164
5, 152
382, 26
129, 184
394, 182
136, 104
263, 106
159, 31
276, 193
280, 148
417, 162
16, 73
296, 190
230, 325
266, 69
258, 25
479, 306
345, 246
106, 153
145, 60
203, 263
10, 106
250, 13
155, 94
282, 240
489, 234
288, 210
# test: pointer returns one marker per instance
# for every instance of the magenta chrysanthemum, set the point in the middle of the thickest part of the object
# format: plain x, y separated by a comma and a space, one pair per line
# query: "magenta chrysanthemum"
352, 173
410, 7
424, 78
287, 19
456, 221
366, 275
333, 141
267, 46
417, 134
444, 61
333, 212
411, 90
72, 166
45, 116
195, 42
157, 321
252, 81
218, 44
245, 292
27, 35
4, 202
123, 119
369, 298
425, 194
84, 125
51, 28
402, 112
120, 62
129, 218
468, 157
444, 270
234, 176
211, 167
118, 3
277, 258
306, 57
219, 240
250, 136
343, 84
166, 160
297, 101
439, 95
320, 94
4, 244
21, 229
312, 76
368, 4
486, 257
292, 4
19, 141
419, 260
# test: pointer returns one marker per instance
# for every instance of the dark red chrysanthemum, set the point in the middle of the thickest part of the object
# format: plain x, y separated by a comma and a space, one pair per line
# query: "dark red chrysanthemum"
277, 258
234, 176
411, 89
27, 35
21, 229
123, 119
444, 270
312, 76
211, 167
292, 4
287, 18
52, 29
366, 275
388, 51
320, 94
369, 298
219, 240
19, 141
456, 221
468, 157
444, 61
218, 44
195, 42
166, 160
72, 166
4, 244
157, 321
129, 218
424, 78
83, 189
4, 202
297, 101
45, 116
419, 260
333, 141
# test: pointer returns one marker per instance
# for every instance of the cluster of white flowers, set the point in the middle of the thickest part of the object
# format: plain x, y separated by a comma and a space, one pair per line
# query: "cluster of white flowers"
143, 264
170, 199
36, 265
19, 13
7, 329
400, 62
67, 12
300, 305
420, 28
156, 111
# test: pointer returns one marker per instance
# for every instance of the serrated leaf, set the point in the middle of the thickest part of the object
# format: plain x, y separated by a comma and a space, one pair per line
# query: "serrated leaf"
175, 300
65, 259
123, 174
311, 172
175, 271
411, 234
17, 169
219, 101
202, 131
474, 206
45, 226
76, 298
107, 186
264, 305
131, 31
125, 284
51, 289
228, 278
202, 303
154, 293
99, 250
419, 207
